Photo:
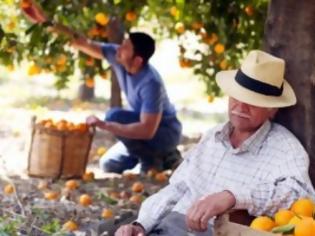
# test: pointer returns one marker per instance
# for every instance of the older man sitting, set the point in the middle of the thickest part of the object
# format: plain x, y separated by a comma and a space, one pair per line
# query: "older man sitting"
249, 163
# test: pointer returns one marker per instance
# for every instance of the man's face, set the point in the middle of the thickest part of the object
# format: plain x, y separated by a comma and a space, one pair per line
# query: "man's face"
248, 118
125, 53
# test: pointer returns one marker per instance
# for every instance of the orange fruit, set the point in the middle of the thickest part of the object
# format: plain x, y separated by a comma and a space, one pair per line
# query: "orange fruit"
8, 189
88, 176
101, 151
136, 199
197, 25
89, 82
24, 4
71, 184
70, 226
210, 40
210, 99
101, 18
62, 126
94, 32
151, 173
137, 187
179, 27
51, 195
62, 60
34, 70
283, 217
174, 11
303, 207
82, 127
42, 185
185, 63
161, 177
219, 48
131, 16
107, 213
306, 227
85, 200
129, 176
263, 223
223, 64
249, 10
90, 61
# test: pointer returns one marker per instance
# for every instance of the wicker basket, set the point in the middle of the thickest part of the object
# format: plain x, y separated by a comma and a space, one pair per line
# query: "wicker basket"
58, 154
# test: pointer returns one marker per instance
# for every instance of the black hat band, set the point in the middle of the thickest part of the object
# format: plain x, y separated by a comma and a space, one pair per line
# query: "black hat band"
257, 86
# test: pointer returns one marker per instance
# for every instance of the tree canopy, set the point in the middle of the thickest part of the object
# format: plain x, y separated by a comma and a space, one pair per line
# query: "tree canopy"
212, 35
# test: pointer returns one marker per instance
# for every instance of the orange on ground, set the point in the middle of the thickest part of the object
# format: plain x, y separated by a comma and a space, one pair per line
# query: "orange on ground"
303, 207
88, 176
51, 195
8, 189
70, 226
107, 213
129, 176
136, 199
161, 177
42, 185
131, 16
137, 187
151, 173
72, 184
85, 200
263, 223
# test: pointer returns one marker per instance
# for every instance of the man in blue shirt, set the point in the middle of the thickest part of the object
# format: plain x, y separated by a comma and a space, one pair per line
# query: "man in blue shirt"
149, 131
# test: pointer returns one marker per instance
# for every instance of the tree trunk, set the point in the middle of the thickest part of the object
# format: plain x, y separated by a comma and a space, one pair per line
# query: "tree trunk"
290, 34
115, 35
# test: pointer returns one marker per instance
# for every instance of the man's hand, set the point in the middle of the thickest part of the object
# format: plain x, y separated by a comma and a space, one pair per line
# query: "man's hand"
94, 121
130, 230
207, 207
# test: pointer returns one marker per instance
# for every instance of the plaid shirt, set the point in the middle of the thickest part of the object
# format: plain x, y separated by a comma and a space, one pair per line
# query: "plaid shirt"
267, 172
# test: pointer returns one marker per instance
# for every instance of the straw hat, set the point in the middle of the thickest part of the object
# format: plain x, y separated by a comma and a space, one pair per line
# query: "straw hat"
259, 82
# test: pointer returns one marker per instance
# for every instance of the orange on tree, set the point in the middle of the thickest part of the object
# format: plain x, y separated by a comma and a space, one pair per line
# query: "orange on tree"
88, 176
107, 213
249, 10
185, 63
283, 217
174, 11
223, 64
210, 39
8, 189
137, 187
263, 223
85, 200
303, 207
72, 184
219, 48
34, 70
89, 82
197, 25
180, 27
70, 226
62, 60
131, 16
24, 4
101, 18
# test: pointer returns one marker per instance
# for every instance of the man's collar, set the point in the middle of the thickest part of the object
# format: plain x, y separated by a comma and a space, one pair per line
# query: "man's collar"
251, 144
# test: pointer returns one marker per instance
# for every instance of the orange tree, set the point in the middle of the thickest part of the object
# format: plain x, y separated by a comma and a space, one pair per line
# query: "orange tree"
212, 34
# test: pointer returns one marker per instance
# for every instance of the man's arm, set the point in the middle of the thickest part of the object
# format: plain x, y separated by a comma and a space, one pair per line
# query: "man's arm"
144, 129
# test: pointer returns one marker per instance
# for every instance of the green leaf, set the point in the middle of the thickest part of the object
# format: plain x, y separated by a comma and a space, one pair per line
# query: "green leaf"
107, 199
116, 2
31, 28
284, 229
1, 33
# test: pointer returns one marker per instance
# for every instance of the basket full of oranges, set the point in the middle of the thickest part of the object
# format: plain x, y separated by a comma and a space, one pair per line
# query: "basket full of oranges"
59, 149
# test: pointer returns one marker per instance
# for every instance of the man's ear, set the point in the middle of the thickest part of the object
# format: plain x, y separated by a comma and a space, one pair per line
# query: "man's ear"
138, 61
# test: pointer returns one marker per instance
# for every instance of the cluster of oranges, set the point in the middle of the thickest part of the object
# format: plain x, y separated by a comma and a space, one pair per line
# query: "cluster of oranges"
296, 221
63, 125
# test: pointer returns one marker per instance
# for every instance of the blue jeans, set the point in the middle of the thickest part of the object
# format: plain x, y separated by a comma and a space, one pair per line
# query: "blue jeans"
150, 153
